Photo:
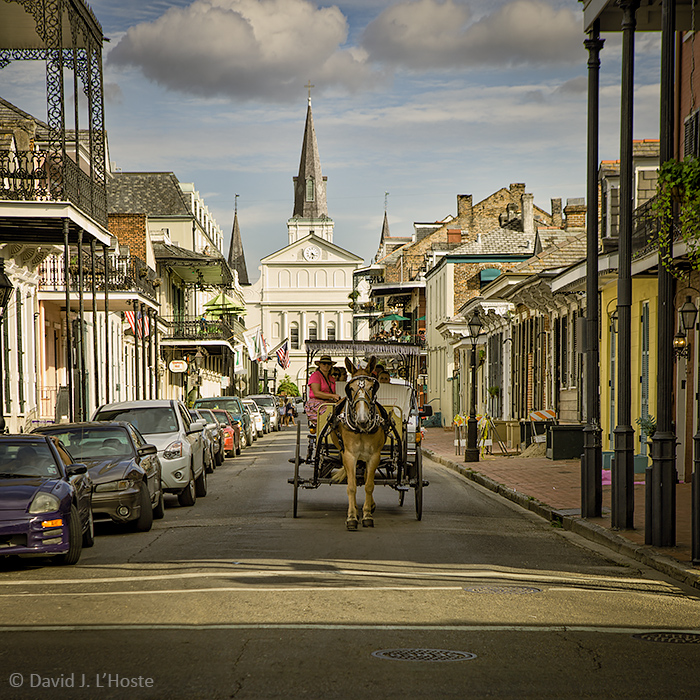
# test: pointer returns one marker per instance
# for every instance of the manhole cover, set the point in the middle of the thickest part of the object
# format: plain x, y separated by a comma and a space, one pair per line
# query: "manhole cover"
670, 637
508, 590
423, 655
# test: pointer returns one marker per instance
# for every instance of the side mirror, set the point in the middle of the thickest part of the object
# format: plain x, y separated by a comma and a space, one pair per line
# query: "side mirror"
426, 411
147, 450
75, 469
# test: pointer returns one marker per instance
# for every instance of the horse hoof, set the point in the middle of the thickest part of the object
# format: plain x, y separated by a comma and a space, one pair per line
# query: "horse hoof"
367, 522
351, 524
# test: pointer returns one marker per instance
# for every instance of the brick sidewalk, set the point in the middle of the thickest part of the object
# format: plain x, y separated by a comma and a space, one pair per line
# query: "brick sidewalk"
555, 485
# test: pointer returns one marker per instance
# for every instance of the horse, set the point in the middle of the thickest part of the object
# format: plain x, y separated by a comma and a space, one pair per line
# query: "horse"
359, 433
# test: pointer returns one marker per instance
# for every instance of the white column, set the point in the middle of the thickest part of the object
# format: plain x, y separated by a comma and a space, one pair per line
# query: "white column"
284, 330
322, 335
339, 326
302, 330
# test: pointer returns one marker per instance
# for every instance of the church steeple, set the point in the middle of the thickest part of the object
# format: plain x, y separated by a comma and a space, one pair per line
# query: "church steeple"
310, 208
236, 256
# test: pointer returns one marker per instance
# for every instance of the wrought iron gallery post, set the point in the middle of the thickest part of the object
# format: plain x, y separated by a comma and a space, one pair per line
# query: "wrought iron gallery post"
471, 451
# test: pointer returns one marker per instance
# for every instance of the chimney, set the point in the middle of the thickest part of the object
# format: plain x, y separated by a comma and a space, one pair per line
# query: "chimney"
575, 212
528, 209
557, 220
517, 190
464, 205
454, 235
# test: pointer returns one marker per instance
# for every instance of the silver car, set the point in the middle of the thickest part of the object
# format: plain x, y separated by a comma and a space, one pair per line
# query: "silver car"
268, 403
167, 424
256, 417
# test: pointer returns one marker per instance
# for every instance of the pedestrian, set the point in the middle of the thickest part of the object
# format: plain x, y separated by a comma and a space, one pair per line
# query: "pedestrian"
289, 413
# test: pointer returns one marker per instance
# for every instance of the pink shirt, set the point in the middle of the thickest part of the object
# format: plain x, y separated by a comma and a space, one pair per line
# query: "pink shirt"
327, 385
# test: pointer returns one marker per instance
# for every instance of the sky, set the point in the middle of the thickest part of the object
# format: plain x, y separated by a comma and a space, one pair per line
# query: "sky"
421, 99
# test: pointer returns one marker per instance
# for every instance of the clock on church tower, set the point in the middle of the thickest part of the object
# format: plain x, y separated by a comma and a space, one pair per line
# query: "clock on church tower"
312, 252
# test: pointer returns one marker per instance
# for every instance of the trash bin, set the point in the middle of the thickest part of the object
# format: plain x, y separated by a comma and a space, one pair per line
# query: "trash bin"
564, 441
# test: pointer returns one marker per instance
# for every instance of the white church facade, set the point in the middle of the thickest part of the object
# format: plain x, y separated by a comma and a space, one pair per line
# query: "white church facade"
303, 292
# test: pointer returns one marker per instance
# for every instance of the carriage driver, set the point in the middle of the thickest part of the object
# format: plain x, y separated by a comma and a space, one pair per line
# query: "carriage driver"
321, 388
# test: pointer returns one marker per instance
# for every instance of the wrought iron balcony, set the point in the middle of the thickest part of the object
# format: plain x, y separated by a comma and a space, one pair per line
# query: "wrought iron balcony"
35, 176
229, 328
124, 274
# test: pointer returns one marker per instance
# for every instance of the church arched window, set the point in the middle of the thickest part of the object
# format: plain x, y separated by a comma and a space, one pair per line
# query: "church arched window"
330, 331
313, 331
310, 189
294, 335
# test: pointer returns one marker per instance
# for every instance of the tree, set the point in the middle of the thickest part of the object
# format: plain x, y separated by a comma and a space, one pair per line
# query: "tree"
288, 387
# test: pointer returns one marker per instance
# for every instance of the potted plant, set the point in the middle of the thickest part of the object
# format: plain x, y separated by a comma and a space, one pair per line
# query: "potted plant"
678, 188
647, 424
494, 391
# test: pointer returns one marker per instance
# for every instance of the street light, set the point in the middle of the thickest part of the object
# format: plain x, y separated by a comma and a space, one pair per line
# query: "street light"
687, 315
6, 290
471, 452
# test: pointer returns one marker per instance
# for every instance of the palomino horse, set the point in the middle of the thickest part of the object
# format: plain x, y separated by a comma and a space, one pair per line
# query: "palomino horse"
359, 434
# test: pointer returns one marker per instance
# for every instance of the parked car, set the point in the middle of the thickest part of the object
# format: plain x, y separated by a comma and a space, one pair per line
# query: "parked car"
209, 439
234, 437
124, 468
45, 499
298, 403
217, 434
166, 423
234, 406
257, 417
268, 403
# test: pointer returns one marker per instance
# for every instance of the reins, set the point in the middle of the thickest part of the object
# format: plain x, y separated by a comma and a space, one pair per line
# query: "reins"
362, 395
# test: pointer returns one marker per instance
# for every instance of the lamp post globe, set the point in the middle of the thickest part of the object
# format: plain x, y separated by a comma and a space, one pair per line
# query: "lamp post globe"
471, 452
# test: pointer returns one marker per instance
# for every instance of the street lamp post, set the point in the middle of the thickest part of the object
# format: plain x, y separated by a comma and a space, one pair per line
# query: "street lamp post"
6, 290
471, 452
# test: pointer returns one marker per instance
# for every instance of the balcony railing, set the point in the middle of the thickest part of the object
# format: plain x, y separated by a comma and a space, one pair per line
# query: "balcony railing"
203, 328
124, 274
34, 176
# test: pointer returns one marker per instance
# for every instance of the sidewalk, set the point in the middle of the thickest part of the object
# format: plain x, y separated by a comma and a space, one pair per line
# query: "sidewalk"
552, 490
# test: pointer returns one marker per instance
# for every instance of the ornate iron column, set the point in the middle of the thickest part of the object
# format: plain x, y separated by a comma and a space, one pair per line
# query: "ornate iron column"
471, 449
623, 469
69, 330
662, 484
95, 348
108, 368
592, 462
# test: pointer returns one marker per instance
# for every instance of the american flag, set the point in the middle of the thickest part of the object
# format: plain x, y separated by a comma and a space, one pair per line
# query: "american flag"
283, 355
138, 321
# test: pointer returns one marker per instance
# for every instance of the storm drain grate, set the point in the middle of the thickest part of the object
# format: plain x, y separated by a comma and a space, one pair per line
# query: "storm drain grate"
423, 655
670, 637
508, 590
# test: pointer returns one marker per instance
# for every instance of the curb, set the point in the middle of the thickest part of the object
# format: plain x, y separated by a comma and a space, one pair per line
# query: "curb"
580, 526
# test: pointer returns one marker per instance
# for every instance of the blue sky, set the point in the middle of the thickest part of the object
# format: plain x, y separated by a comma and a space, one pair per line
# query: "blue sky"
424, 99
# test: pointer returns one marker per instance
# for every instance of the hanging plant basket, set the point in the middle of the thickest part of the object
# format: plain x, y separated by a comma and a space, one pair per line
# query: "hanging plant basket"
676, 208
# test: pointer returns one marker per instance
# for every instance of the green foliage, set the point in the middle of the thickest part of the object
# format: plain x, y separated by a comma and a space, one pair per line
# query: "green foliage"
647, 424
494, 390
678, 185
288, 387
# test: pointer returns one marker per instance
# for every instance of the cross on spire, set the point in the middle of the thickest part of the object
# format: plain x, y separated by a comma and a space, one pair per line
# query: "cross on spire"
309, 86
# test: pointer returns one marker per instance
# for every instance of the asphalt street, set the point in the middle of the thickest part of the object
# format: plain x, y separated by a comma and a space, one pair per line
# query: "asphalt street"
236, 598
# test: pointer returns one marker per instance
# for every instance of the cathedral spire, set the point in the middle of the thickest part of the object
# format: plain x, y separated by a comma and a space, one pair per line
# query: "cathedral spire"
309, 184
236, 256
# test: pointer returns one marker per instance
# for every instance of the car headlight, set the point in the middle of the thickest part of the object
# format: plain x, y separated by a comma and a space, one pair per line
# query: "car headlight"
44, 503
120, 485
173, 450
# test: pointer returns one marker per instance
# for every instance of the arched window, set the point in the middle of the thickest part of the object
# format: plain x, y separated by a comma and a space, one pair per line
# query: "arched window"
330, 331
313, 331
294, 335
284, 279
310, 189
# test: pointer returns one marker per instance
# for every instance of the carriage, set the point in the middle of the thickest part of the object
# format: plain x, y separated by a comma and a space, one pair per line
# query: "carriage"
400, 464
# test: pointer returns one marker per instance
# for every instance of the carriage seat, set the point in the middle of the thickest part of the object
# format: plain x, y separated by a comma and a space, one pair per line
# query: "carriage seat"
396, 398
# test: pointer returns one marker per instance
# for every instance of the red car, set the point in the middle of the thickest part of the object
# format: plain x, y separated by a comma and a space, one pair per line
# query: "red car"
232, 431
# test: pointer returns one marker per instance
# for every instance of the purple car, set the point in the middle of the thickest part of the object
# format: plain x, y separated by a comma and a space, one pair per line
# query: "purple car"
45, 499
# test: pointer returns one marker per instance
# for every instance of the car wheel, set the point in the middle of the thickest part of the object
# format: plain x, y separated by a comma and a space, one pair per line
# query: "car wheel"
89, 534
208, 461
201, 484
219, 457
238, 449
188, 496
159, 510
145, 520
75, 540
243, 440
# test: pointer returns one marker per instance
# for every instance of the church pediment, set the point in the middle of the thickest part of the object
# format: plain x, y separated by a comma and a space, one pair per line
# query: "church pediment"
311, 250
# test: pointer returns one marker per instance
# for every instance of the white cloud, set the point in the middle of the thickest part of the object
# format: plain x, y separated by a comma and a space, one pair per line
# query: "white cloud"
247, 49
429, 34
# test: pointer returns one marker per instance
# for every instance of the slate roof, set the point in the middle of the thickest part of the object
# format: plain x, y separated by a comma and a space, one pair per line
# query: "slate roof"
568, 250
236, 256
153, 194
499, 241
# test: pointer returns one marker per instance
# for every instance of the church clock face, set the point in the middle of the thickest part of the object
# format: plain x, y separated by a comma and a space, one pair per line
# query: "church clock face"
312, 252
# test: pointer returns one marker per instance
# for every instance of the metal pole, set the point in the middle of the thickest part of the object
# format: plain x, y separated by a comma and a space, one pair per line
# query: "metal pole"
82, 388
471, 451
69, 333
108, 369
137, 388
622, 491
93, 290
144, 365
592, 461
663, 442
156, 353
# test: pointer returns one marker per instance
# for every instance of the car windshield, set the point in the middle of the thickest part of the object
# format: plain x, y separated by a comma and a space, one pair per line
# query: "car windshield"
268, 401
22, 458
225, 402
221, 417
149, 420
94, 442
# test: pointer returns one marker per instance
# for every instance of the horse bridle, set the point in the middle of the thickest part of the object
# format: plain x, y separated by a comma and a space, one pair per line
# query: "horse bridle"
362, 395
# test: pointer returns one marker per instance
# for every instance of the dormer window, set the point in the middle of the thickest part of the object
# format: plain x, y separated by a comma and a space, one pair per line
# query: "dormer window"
310, 190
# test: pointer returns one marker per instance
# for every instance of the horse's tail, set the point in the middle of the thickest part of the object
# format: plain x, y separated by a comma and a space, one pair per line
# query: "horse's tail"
340, 476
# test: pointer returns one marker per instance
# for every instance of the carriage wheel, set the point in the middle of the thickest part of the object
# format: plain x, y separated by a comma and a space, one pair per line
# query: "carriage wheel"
402, 495
296, 469
419, 483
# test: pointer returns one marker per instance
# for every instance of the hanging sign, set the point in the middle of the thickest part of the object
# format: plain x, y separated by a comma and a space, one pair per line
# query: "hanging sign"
178, 366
